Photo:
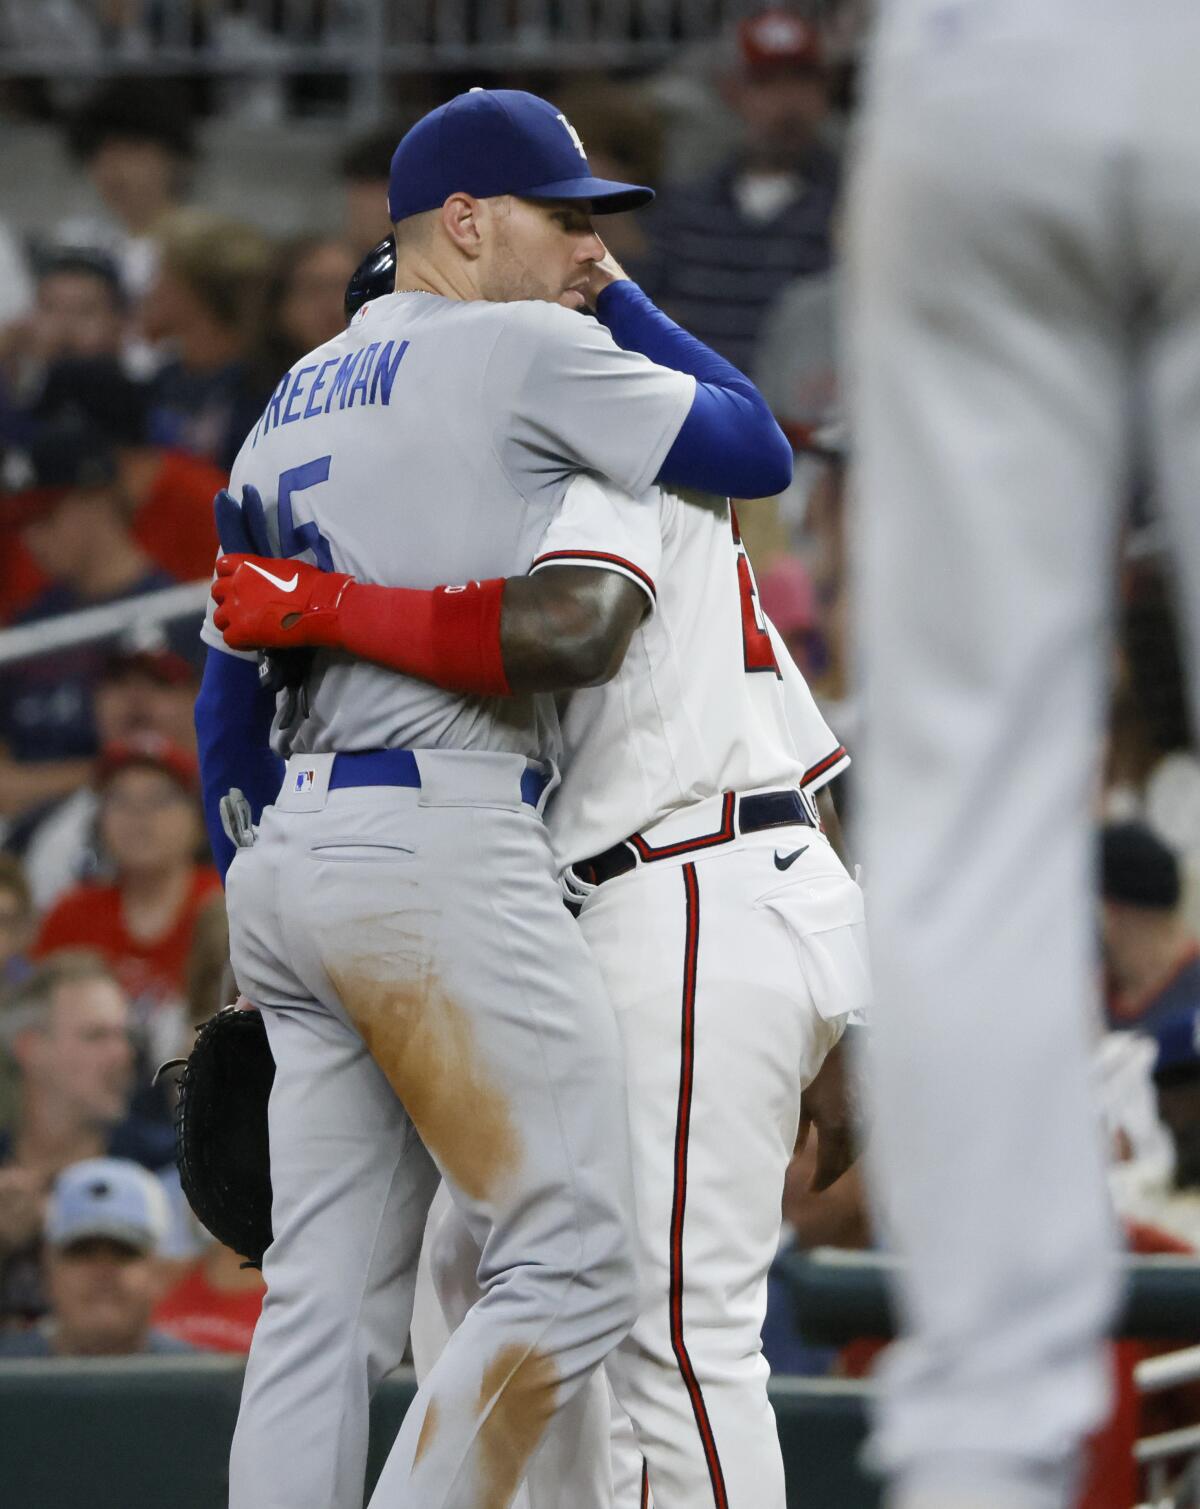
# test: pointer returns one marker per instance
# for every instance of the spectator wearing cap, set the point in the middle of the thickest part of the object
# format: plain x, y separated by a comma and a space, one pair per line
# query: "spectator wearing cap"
1151, 955
64, 497
207, 304
134, 138
725, 247
144, 688
68, 1031
143, 919
104, 1227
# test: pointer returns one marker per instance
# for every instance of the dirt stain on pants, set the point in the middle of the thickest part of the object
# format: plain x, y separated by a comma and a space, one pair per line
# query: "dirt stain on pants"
524, 1385
425, 1043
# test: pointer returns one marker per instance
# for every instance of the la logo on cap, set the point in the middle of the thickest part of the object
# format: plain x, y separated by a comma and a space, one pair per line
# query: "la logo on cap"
573, 134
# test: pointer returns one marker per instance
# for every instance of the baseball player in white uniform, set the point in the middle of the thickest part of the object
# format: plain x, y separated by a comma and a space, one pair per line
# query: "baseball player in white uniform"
430, 1005
1025, 297
733, 954
730, 938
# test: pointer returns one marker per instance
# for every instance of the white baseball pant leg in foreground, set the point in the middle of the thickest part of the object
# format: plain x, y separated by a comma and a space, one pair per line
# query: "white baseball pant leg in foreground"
1025, 275
425, 926
730, 981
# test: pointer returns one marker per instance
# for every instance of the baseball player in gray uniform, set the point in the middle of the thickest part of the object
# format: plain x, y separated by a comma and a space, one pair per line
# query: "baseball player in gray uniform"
430, 1005
1025, 289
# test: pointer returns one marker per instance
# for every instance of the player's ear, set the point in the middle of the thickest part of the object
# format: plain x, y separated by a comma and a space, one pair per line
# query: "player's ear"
462, 220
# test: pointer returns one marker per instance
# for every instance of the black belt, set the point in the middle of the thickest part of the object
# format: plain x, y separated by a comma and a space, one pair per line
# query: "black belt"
767, 809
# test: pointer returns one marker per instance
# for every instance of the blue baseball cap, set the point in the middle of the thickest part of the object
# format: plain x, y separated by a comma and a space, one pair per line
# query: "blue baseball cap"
499, 141
107, 1197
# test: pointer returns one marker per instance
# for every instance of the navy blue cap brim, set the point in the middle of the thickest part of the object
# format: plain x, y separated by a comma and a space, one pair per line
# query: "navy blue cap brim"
606, 196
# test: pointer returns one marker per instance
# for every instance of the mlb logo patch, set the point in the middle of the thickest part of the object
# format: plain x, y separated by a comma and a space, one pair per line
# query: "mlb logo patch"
304, 781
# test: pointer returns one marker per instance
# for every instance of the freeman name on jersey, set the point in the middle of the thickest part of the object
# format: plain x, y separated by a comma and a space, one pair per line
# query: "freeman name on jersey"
361, 377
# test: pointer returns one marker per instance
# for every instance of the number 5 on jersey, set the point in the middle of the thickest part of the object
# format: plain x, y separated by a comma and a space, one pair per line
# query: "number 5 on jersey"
759, 653
295, 539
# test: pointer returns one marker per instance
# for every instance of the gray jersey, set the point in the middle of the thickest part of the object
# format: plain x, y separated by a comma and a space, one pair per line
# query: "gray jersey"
432, 442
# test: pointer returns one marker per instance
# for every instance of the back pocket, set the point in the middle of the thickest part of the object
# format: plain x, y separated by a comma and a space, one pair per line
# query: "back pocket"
351, 851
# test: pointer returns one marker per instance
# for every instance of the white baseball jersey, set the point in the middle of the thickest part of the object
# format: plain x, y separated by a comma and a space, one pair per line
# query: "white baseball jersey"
431, 442
708, 700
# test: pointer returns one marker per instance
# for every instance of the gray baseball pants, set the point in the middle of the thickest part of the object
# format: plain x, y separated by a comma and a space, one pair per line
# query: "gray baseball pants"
1025, 296
432, 1009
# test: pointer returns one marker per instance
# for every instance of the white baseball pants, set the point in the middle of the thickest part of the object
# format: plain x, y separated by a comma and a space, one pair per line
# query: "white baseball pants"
1025, 297
432, 1009
730, 979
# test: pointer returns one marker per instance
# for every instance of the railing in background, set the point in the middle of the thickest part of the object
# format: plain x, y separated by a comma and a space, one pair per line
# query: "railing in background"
28, 641
145, 1432
58, 39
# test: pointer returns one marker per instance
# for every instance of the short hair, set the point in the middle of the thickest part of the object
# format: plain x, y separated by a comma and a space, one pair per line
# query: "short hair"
142, 110
13, 880
225, 263
82, 261
414, 230
29, 1005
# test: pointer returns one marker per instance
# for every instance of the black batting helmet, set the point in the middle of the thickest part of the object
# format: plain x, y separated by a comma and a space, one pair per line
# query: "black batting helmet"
374, 276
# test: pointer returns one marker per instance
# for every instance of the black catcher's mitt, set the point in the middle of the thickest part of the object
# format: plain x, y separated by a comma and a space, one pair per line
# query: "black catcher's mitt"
221, 1145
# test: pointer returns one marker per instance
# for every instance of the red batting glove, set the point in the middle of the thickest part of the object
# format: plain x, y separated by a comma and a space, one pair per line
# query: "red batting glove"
264, 603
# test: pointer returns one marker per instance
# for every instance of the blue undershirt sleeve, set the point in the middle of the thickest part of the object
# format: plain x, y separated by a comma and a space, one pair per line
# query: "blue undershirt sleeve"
729, 442
233, 732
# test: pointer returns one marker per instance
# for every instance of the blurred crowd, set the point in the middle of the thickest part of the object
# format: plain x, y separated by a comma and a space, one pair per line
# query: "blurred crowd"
136, 350
137, 347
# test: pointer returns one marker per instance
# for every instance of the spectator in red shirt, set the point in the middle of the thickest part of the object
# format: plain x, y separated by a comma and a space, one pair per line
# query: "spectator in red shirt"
215, 1304
143, 920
